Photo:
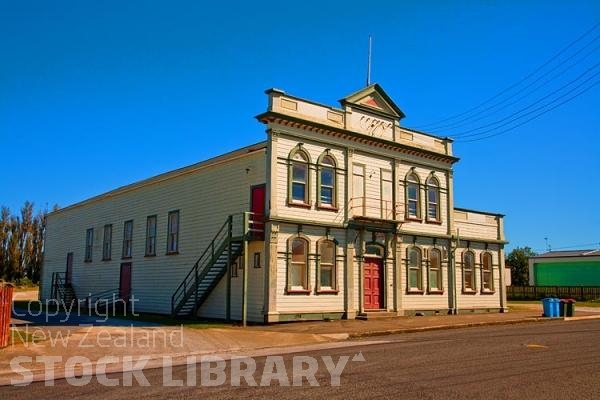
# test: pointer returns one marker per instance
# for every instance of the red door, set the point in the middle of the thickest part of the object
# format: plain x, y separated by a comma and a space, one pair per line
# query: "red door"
125, 282
69, 270
373, 287
257, 208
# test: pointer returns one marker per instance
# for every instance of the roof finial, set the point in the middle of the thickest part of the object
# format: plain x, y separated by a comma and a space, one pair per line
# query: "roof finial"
369, 62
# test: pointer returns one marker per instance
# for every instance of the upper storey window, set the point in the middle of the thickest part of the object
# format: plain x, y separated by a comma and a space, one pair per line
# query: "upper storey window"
298, 187
413, 198
327, 182
433, 199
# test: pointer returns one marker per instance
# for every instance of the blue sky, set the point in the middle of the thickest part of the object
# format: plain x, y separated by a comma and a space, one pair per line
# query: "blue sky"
94, 95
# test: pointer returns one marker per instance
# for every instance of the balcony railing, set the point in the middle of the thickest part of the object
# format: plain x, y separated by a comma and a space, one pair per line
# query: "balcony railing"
373, 207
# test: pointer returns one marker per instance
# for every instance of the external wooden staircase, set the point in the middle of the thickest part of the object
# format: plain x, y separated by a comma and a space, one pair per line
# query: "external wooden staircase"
212, 266
62, 291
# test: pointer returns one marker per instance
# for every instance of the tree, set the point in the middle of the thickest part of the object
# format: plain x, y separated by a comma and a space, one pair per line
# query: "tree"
22, 243
518, 259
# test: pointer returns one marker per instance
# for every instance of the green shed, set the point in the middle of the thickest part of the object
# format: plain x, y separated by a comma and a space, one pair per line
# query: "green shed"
565, 268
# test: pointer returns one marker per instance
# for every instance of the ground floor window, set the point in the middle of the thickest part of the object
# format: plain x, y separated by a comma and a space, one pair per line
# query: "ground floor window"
415, 273
327, 266
487, 276
468, 271
297, 265
435, 271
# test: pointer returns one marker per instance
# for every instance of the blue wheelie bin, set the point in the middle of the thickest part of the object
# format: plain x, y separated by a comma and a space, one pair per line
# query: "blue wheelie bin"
555, 308
546, 304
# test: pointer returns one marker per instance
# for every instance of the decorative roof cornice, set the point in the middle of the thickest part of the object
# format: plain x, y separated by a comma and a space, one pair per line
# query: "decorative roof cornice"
356, 137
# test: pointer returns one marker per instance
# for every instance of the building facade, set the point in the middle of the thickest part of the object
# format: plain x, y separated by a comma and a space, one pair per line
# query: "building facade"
340, 213
565, 268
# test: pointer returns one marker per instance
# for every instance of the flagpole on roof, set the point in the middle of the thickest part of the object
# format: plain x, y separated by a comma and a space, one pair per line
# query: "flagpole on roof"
369, 61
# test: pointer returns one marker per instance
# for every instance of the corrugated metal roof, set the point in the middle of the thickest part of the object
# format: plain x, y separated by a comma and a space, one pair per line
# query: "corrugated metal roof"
570, 253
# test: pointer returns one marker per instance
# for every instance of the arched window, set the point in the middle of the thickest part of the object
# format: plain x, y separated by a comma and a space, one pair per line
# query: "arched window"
413, 197
414, 269
468, 271
433, 199
327, 273
298, 177
487, 273
327, 182
435, 271
297, 264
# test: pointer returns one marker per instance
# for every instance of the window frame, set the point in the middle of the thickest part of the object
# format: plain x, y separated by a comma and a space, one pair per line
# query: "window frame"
127, 251
89, 245
419, 269
359, 172
473, 282
292, 162
412, 179
173, 236
333, 288
433, 188
151, 252
107, 242
489, 272
386, 184
438, 271
296, 289
321, 166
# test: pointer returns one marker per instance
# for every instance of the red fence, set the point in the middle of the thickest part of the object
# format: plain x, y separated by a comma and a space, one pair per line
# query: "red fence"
581, 293
6, 297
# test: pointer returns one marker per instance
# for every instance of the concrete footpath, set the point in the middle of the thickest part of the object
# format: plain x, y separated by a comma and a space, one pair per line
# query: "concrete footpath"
78, 350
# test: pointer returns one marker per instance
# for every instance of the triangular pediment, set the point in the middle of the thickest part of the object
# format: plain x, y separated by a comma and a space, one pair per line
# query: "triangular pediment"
375, 99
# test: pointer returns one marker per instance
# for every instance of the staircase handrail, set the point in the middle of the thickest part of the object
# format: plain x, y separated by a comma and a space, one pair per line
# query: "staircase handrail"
191, 279
244, 230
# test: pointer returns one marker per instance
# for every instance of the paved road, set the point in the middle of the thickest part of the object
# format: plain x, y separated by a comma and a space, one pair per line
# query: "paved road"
550, 360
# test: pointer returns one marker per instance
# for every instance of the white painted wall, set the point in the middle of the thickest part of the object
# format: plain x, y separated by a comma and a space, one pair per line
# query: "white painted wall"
205, 194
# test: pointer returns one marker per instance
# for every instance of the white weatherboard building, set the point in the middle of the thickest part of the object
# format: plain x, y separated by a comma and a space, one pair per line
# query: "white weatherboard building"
339, 213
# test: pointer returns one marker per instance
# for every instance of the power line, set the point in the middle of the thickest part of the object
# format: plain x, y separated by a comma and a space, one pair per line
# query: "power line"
500, 121
432, 125
471, 119
573, 246
532, 118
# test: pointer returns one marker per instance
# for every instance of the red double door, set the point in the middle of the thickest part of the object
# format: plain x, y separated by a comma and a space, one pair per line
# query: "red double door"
373, 283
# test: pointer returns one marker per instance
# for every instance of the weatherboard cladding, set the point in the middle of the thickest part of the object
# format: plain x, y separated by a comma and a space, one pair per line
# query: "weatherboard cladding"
204, 202
206, 192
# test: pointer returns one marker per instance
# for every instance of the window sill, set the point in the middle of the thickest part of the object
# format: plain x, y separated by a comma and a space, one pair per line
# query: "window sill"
171, 253
413, 219
126, 258
414, 291
488, 292
434, 221
106, 259
469, 291
299, 205
298, 291
328, 208
150, 255
328, 291
435, 292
